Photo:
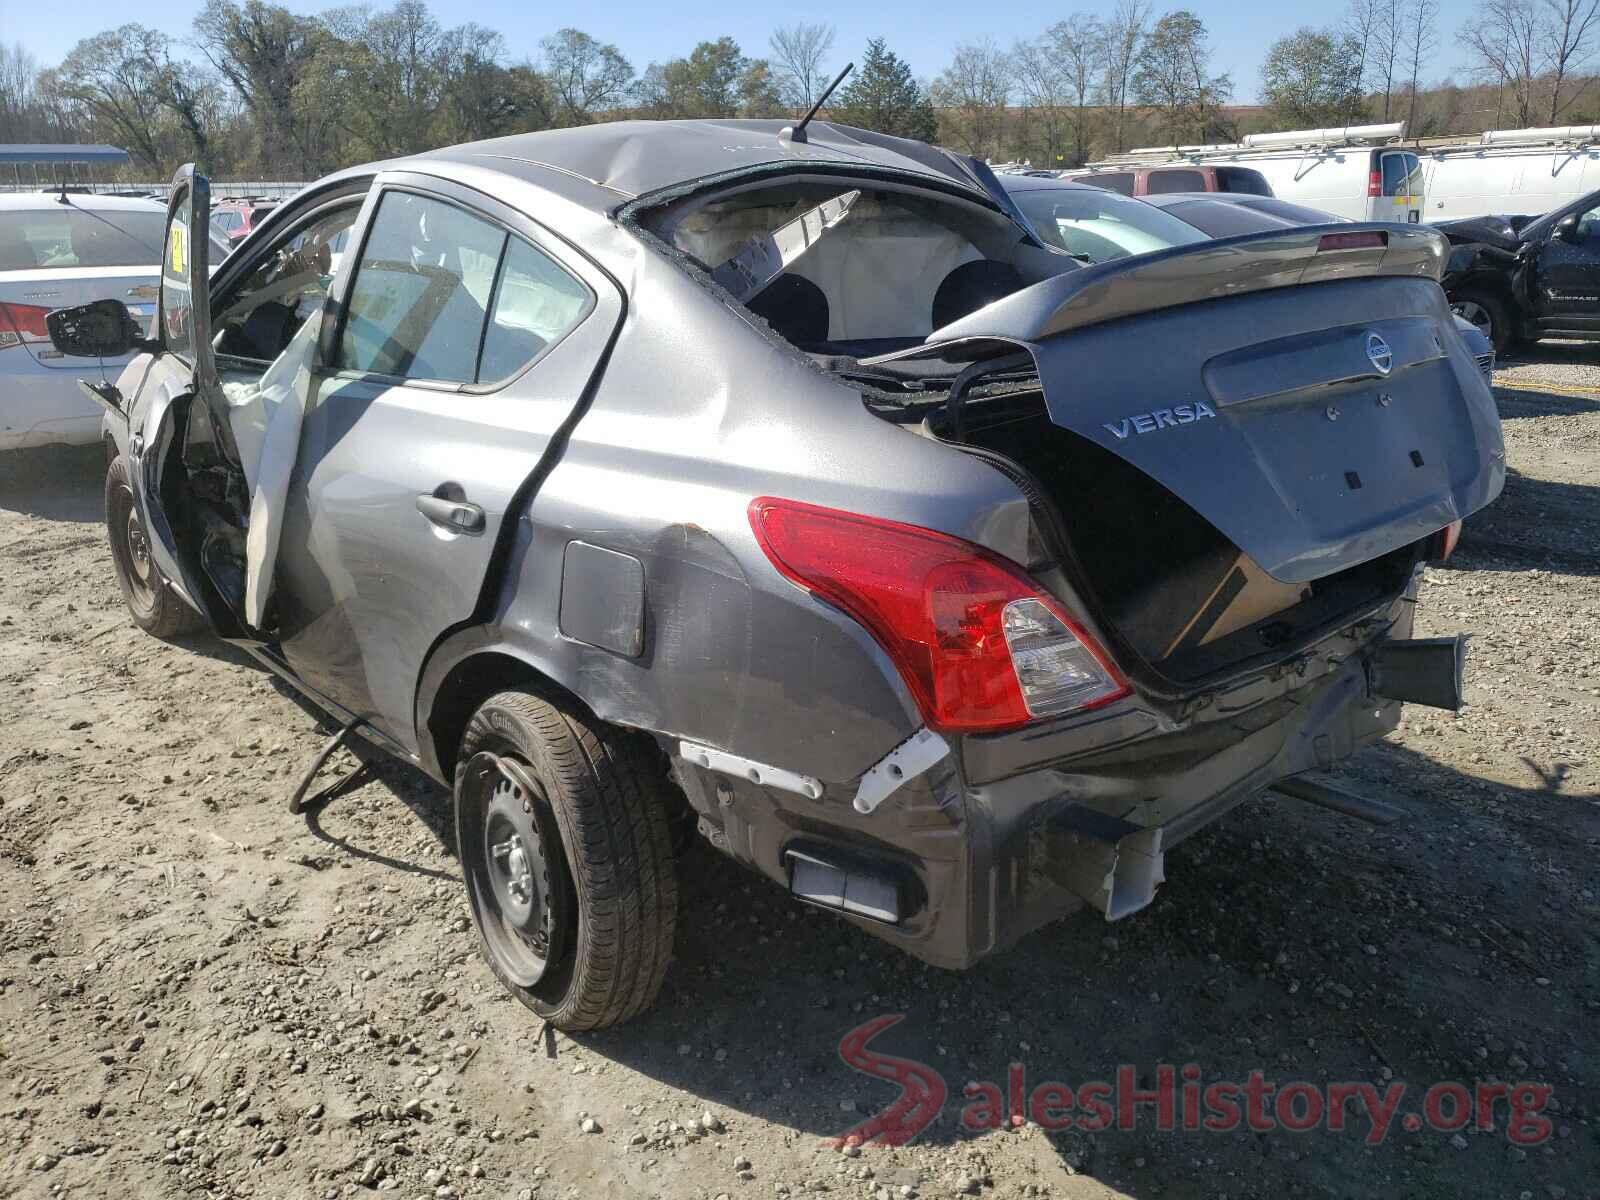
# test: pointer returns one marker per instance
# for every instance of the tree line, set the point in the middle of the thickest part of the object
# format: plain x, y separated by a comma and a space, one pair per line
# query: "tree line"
255, 90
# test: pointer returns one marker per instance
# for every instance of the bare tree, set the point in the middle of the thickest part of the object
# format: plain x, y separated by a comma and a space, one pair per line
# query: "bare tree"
113, 76
974, 89
1501, 40
1081, 45
1569, 29
1421, 39
799, 56
1124, 34
1388, 42
586, 76
1171, 74
1043, 95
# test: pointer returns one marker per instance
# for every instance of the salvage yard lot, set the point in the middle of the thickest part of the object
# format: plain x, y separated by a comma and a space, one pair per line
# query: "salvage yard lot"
202, 995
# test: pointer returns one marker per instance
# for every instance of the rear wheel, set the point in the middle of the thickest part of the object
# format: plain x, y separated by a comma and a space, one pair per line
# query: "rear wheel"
155, 607
1488, 313
563, 830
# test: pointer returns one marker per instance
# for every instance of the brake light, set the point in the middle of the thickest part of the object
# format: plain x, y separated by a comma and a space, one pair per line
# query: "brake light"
1375, 184
1368, 240
1447, 538
22, 323
981, 647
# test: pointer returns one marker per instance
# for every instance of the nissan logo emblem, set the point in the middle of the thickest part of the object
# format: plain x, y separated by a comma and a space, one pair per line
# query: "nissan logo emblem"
1378, 352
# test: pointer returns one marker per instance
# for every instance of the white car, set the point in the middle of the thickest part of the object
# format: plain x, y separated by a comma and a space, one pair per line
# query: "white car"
59, 249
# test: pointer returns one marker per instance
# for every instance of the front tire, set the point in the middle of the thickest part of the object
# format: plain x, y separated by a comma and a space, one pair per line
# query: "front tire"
152, 603
563, 830
1489, 313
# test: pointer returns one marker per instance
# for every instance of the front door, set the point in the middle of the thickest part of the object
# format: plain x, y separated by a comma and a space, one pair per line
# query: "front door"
468, 336
1566, 274
173, 425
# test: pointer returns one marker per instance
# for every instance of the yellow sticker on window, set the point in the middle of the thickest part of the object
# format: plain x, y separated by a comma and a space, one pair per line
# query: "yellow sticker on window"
175, 249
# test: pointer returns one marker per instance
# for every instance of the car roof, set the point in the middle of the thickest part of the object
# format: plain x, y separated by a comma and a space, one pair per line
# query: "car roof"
635, 158
88, 201
1037, 183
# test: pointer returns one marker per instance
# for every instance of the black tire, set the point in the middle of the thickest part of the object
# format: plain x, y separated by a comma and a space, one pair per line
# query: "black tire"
155, 607
611, 883
1489, 312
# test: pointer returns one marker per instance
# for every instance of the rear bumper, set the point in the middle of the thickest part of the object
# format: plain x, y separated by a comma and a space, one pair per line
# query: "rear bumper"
41, 406
1009, 833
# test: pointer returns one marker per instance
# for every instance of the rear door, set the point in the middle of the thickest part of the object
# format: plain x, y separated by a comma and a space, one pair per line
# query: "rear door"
468, 337
1400, 188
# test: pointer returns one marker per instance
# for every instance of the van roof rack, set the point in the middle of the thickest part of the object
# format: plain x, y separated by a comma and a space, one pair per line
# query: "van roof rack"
1291, 139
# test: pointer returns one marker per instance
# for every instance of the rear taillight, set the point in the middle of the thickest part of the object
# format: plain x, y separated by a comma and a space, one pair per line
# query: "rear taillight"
1372, 239
22, 323
1445, 540
981, 647
1375, 184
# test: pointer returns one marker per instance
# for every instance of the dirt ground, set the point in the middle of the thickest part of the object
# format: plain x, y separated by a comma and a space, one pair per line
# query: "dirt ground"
202, 995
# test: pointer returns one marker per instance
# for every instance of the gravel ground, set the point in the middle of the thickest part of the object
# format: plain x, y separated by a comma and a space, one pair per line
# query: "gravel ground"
201, 995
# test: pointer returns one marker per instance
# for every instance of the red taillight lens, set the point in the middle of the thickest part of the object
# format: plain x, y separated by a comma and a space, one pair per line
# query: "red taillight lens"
1445, 541
1375, 184
22, 323
980, 646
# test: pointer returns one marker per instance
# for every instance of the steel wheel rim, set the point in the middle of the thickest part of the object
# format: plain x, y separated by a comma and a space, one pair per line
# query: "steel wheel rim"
520, 910
133, 551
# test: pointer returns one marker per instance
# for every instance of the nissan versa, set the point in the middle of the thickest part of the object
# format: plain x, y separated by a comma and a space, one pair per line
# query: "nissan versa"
785, 484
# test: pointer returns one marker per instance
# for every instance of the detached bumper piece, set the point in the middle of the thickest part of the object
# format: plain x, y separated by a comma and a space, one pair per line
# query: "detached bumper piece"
844, 887
1419, 671
1113, 864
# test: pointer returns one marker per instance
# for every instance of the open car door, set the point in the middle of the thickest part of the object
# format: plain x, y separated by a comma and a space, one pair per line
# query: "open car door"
177, 425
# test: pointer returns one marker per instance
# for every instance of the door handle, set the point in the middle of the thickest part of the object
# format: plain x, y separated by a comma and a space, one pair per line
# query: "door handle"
458, 516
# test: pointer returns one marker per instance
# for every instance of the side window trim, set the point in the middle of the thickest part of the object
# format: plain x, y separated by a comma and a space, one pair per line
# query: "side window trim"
464, 198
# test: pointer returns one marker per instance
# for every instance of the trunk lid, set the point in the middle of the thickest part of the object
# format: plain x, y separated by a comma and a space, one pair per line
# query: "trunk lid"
1315, 405
63, 287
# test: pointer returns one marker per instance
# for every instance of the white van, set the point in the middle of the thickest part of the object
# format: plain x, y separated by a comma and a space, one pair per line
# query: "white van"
1511, 171
1354, 172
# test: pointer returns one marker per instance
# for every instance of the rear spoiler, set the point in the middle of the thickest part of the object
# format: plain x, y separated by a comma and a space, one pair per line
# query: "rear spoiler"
1182, 275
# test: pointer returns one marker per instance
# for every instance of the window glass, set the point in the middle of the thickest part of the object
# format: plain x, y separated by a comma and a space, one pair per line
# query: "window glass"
1113, 181
1295, 214
264, 310
1226, 220
1100, 225
1242, 180
64, 236
177, 301
1394, 174
534, 304
1163, 183
226, 221
421, 291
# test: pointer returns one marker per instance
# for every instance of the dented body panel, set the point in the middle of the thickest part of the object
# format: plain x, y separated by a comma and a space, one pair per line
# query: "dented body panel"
593, 538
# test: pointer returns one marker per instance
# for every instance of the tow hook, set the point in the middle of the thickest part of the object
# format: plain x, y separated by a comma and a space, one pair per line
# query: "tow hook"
1419, 671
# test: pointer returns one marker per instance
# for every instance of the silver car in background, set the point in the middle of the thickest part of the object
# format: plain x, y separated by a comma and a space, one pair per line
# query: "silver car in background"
59, 249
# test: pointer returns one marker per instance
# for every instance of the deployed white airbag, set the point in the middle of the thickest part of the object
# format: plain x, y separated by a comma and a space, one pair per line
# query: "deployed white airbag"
265, 415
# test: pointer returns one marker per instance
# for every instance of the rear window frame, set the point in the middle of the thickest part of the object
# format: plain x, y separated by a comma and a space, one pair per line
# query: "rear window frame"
95, 219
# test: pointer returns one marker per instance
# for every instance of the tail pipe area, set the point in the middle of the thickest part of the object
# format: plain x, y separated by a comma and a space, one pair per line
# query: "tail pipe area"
1419, 671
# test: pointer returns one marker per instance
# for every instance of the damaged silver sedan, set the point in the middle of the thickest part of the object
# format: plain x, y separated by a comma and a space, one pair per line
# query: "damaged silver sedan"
787, 487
